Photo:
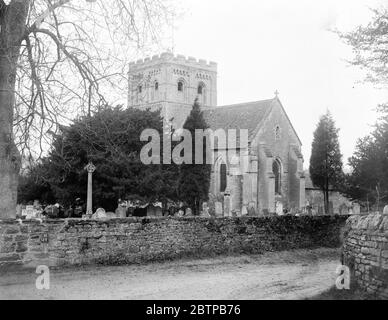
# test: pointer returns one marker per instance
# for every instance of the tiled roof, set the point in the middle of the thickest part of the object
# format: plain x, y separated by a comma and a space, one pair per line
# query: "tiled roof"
239, 116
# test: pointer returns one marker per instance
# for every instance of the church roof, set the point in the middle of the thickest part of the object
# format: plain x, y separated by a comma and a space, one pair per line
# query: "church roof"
238, 116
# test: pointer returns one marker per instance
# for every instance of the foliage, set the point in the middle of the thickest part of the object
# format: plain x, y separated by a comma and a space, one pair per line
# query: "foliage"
326, 159
62, 59
194, 179
110, 139
370, 46
368, 180
33, 187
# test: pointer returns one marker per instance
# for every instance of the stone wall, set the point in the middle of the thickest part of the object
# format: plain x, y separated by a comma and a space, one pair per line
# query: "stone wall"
135, 240
365, 252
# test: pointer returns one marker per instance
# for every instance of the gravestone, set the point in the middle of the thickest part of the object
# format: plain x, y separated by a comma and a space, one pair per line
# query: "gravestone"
205, 210
227, 211
244, 211
385, 211
121, 212
19, 211
356, 208
218, 209
100, 214
189, 212
30, 212
251, 209
279, 208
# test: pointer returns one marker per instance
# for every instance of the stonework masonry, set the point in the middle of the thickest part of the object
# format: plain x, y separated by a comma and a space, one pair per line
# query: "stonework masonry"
137, 240
153, 83
365, 252
170, 83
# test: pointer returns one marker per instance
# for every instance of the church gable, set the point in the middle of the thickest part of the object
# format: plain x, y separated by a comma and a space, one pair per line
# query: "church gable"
276, 130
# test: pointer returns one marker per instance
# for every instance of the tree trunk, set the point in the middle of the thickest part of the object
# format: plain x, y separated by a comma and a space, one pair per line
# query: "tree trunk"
326, 196
13, 21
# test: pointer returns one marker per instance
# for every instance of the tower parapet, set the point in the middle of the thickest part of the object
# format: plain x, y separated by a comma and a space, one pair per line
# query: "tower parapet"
171, 58
172, 83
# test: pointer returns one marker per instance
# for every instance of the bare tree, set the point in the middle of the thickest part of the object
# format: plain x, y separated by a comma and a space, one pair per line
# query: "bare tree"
58, 60
370, 46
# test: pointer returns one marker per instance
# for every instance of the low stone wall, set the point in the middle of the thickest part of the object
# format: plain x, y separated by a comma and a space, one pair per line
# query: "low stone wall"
365, 252
135, 240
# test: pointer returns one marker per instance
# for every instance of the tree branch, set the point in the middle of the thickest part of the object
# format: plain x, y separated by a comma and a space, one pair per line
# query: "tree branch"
47, 12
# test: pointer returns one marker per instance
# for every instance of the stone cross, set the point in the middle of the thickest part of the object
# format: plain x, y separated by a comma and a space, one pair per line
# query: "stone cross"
90, 168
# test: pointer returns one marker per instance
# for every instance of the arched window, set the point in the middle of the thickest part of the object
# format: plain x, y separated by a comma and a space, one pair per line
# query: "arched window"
222, 177
277, 172
200, 89
156, 86
180, 86
140, 89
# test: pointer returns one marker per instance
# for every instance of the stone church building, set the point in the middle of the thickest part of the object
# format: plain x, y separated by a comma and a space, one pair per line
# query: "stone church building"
271, 179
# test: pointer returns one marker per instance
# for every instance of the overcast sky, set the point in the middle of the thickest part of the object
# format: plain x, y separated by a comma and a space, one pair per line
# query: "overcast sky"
262, 46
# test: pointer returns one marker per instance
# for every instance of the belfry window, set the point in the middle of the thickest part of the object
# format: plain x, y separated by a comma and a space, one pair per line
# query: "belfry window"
180, 86
222, 177
277, 173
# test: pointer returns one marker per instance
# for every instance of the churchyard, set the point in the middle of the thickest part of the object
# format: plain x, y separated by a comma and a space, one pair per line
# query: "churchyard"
129, 171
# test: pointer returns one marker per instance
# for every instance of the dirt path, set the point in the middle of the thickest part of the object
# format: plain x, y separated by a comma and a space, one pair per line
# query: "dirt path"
281, 275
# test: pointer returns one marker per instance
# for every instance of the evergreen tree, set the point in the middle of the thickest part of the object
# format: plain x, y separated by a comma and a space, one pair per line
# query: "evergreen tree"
326, 159
194, 179
110, 139
368, 180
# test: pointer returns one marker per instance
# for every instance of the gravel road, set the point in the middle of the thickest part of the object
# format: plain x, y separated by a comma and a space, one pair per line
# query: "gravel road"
278, 275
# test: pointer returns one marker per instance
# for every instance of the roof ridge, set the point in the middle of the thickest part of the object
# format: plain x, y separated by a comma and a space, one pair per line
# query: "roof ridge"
241, 103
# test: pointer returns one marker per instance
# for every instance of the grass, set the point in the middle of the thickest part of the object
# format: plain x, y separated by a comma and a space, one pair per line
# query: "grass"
335, 294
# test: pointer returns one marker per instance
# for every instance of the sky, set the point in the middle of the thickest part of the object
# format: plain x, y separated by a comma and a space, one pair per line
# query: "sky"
263, 46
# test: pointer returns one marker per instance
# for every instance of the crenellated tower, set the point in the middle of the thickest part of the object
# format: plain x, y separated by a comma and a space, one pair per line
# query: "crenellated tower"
171, 83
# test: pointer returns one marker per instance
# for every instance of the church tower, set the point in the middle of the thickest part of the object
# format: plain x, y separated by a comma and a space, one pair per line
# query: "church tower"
171, 83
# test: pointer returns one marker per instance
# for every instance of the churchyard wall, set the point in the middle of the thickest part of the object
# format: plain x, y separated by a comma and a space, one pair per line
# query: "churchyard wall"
365, 252
137, 240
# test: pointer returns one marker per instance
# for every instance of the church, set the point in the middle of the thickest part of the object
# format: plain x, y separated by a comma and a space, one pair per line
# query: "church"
272, 179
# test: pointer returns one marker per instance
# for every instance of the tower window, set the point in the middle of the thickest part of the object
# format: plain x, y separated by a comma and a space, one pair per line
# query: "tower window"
156, 86
200, 89
180, 86
223, 177
140, 89
277, 173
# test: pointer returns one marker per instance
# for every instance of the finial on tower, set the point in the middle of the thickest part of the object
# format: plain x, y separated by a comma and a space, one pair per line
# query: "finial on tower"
276, 94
